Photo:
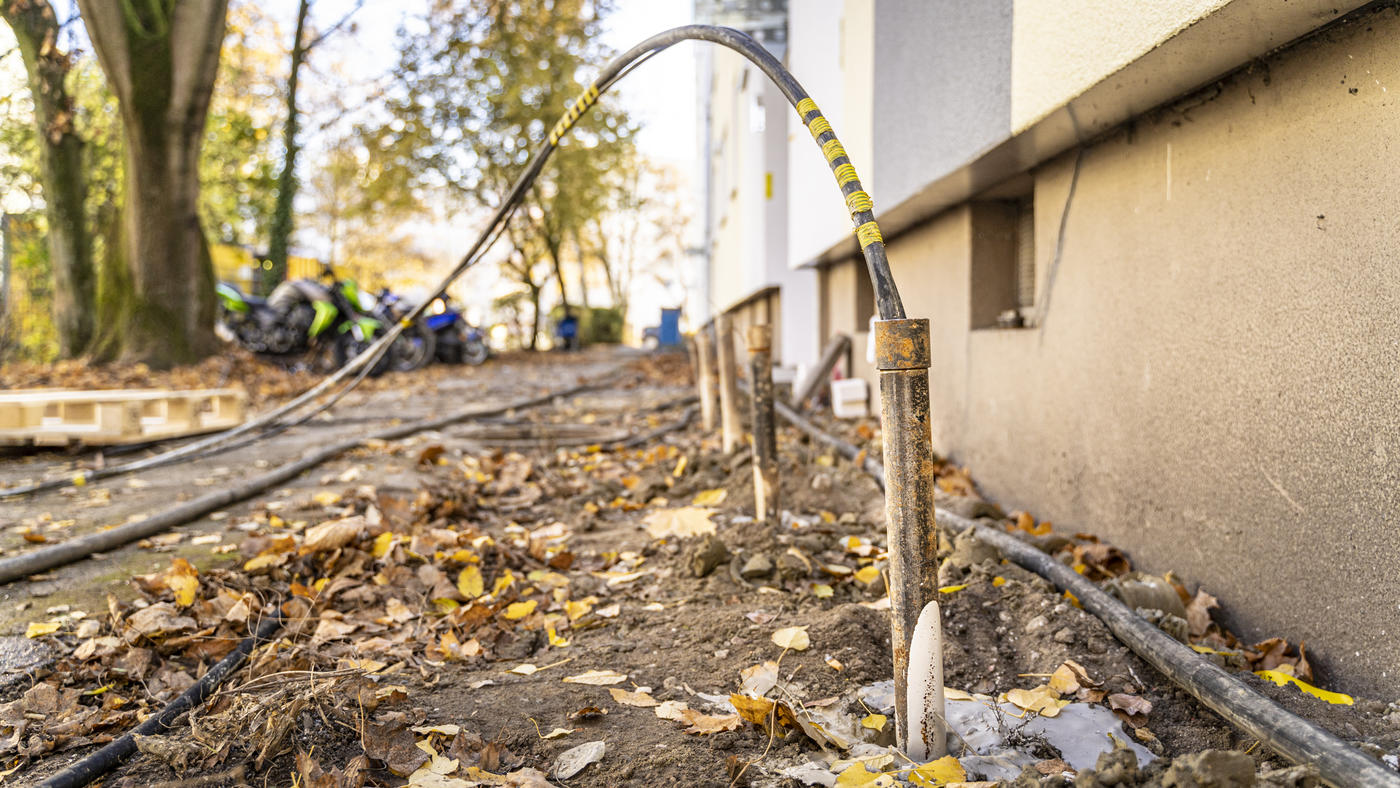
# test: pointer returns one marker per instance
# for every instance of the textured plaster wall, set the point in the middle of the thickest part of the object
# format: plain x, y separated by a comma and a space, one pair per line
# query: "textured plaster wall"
1214, 386
942, 89
1063, 47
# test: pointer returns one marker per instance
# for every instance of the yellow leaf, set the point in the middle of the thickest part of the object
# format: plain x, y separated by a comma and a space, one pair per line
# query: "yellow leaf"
856, 775
469, 582
680, 466
998, 581
554, 638
794, 638
713, 497
759, 711
383, 543
822, 591
263, 561
940, 772
1280, 678
577, 610
1042, 700
519, 610
465, 556
875, 722
326, 498
867, 575
506, 580
41, 628
951, 589
185, 588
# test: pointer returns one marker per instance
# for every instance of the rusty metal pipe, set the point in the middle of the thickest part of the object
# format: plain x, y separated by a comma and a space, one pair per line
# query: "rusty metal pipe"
705, 379
765, 436
902, 357
731, 431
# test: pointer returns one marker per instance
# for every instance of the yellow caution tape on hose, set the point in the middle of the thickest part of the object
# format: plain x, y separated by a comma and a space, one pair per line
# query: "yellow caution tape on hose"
833, 150
868, 234
858, 201
579, 106
845, 174
805, 107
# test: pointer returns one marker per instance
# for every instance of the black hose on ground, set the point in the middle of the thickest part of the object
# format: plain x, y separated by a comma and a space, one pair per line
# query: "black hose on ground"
42, 559
109, 757
1301, 741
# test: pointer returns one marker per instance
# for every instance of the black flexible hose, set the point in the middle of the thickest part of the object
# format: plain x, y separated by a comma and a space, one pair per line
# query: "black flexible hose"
1299, 740
111, 756
862, 216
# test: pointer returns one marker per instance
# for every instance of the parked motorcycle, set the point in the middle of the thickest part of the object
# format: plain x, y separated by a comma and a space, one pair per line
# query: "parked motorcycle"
458, 342
416, 344
249, 321
332, 316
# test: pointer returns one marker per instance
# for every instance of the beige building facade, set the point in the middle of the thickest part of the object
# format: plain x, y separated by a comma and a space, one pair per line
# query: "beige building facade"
1158, 249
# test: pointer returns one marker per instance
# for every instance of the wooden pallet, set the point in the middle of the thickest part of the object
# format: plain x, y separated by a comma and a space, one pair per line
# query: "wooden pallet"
58, 417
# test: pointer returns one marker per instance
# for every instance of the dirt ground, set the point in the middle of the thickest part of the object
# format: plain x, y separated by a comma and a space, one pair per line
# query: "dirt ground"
520, 602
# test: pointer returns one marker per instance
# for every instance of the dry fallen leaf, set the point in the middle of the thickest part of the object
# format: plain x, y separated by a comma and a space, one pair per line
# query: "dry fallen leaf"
713, 497
183, 580
758, 679
638, 699
671, 710
1131, 705
470, 584
794, 638
682, 522
943, 771
41, 628
331, 535
518, 610
857, 775
875, 722
703, 724
576, 759
1042, 700
597, 678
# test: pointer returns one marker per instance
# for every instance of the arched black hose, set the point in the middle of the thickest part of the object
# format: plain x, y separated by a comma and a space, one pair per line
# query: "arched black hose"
111, 756
862, 216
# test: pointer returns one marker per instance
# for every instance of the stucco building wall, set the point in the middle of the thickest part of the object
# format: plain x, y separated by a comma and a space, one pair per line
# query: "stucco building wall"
1213, 377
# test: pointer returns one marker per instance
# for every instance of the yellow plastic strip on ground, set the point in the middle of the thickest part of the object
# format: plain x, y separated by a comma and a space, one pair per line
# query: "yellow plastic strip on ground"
1280, 678
868, 234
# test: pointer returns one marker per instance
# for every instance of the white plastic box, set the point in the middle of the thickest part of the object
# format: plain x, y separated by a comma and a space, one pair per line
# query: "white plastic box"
850, 398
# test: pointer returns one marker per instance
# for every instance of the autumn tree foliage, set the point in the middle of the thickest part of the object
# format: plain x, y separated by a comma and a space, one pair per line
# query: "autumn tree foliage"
483, 82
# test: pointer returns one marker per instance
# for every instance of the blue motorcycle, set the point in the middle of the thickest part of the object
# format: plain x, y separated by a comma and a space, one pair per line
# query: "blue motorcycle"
458, 342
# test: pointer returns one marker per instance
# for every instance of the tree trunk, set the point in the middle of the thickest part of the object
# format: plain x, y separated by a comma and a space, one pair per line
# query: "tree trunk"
534, 316
281, 233
61, 171
160, 59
